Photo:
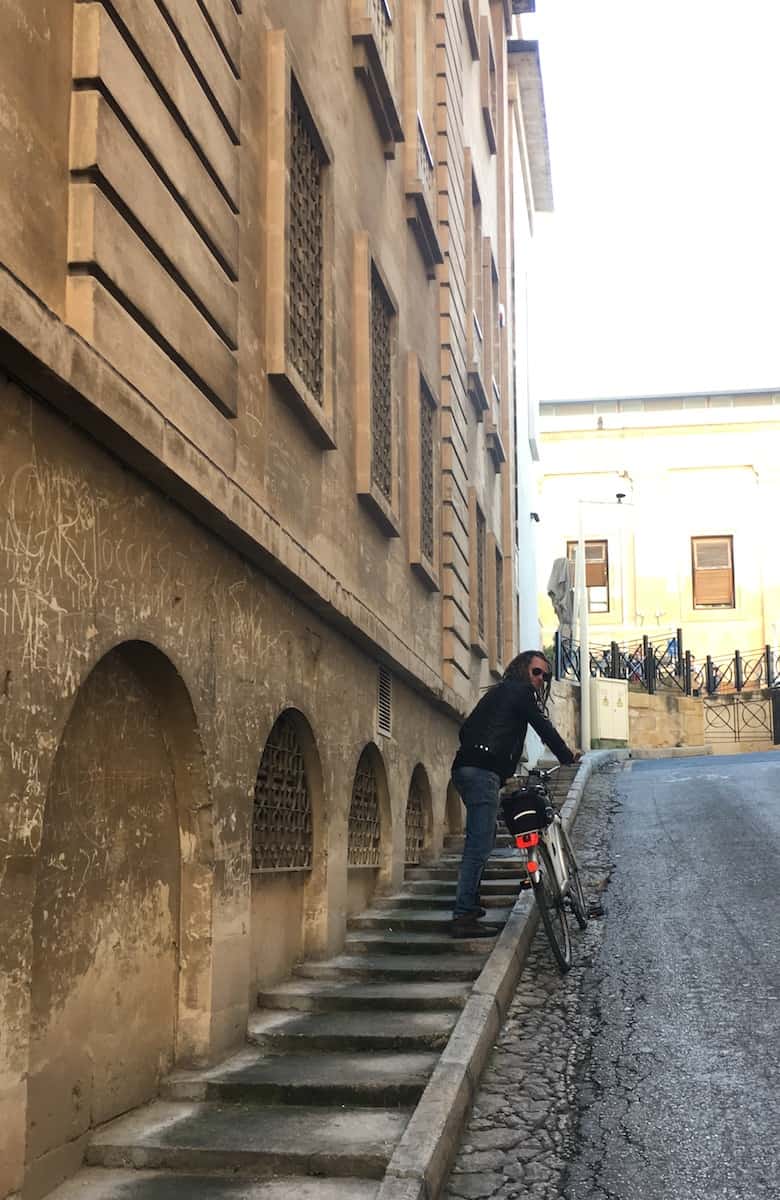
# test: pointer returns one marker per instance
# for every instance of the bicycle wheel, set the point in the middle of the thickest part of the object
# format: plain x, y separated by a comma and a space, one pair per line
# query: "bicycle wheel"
552, 910
576, 894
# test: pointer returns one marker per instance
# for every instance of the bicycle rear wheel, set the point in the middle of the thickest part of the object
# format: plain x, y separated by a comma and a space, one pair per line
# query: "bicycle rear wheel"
552, 910
576, 894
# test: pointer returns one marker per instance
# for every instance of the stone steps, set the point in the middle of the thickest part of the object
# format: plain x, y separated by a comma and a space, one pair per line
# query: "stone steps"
416, 921
448, 887
448, 870
369, 940
381, 1029
336, 1058
96, 1183
354, 1080
258, 1142
305, 995
393, 967
445, 901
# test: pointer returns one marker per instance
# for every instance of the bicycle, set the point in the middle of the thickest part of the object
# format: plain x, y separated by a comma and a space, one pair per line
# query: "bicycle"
549, 860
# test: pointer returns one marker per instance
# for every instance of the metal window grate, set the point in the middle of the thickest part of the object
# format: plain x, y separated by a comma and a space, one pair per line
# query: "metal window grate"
481, 542
415, 823
427, 416
382, 315
499, 607
281, 822
384, 705
306, 247
364, 829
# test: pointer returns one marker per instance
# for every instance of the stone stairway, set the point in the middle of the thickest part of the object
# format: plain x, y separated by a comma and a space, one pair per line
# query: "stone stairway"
336, 1059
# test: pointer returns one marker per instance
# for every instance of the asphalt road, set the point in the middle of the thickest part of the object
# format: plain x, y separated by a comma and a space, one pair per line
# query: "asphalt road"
679, 1095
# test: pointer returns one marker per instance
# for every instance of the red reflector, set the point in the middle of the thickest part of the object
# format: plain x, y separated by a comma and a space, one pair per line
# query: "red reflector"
533, 867
524, 840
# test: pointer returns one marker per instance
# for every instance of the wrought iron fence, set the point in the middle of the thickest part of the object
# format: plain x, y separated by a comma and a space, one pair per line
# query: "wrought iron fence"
664, 664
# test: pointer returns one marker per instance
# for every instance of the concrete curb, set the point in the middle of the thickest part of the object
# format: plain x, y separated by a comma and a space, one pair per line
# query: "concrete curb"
640, 752
421, 1162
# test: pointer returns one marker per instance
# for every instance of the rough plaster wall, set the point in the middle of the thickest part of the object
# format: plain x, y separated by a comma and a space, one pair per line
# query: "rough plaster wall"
105, 920
91, 557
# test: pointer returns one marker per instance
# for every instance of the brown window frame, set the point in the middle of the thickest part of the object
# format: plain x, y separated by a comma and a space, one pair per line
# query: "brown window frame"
698, 570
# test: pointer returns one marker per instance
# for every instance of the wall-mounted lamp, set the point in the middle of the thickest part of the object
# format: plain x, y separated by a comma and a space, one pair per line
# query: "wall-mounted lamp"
534, 516
620, 497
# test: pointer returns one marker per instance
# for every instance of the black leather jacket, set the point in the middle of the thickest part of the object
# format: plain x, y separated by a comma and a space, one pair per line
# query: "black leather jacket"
493, 734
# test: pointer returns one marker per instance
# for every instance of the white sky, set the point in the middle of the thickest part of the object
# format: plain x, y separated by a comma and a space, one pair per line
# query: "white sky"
660, 269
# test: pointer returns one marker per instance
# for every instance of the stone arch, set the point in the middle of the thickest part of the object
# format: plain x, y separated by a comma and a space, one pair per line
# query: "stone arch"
419, 818
369, 831
289, 850
453, 811
121, 961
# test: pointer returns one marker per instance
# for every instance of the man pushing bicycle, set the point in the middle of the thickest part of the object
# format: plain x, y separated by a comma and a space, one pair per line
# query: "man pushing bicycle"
491, 742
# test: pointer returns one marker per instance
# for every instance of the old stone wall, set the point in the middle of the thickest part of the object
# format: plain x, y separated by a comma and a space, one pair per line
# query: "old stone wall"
144, 664
257, 340
665, 720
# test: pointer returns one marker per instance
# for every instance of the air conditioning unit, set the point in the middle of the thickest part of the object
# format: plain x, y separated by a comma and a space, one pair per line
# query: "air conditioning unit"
608, 712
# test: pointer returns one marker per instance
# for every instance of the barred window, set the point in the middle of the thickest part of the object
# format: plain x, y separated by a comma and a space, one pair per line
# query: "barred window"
415, 821
499, 607
427, 419
282, 822
382, 316
364, 828
481, 547
307, 161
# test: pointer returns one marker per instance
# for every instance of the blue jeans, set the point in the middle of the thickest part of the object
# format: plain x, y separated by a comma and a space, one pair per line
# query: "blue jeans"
478, 789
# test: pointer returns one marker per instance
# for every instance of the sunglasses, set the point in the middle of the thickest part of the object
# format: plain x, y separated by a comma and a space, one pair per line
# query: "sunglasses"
537, 671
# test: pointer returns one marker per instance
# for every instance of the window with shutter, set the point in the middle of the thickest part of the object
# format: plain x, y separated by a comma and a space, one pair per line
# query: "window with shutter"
713, 572
596, 573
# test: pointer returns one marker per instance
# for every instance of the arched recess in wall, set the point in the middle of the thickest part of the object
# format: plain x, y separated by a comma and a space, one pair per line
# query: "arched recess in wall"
419, 818
369, 831
121, 963
289, 850
454, 812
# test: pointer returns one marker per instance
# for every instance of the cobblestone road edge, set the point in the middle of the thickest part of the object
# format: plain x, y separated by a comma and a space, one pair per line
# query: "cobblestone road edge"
422, 1160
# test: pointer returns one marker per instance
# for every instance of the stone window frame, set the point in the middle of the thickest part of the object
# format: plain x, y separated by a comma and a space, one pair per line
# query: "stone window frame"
375, 53
488, 84
478, 582
283, 78
494, 349
496, 604
471, 21
475, 299
419, 391
420, 168
385, 513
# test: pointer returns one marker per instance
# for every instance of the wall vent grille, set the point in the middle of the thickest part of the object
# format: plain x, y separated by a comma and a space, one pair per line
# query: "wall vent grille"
384, 709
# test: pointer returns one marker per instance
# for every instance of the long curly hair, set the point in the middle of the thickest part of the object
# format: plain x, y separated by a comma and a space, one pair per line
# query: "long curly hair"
518, 669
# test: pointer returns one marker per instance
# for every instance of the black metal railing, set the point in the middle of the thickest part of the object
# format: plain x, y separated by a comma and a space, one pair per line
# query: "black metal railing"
664, 664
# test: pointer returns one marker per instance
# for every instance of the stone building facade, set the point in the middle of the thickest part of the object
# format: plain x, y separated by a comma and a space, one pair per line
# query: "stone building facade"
258, 295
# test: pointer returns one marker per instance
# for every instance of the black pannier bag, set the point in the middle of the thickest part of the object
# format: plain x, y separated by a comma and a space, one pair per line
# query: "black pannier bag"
526, 809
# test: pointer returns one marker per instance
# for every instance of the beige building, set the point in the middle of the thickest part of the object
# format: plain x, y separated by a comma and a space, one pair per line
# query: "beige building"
257, 325
686, 546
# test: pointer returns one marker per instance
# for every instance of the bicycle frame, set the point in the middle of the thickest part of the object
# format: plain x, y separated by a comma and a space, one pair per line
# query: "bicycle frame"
552, 840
